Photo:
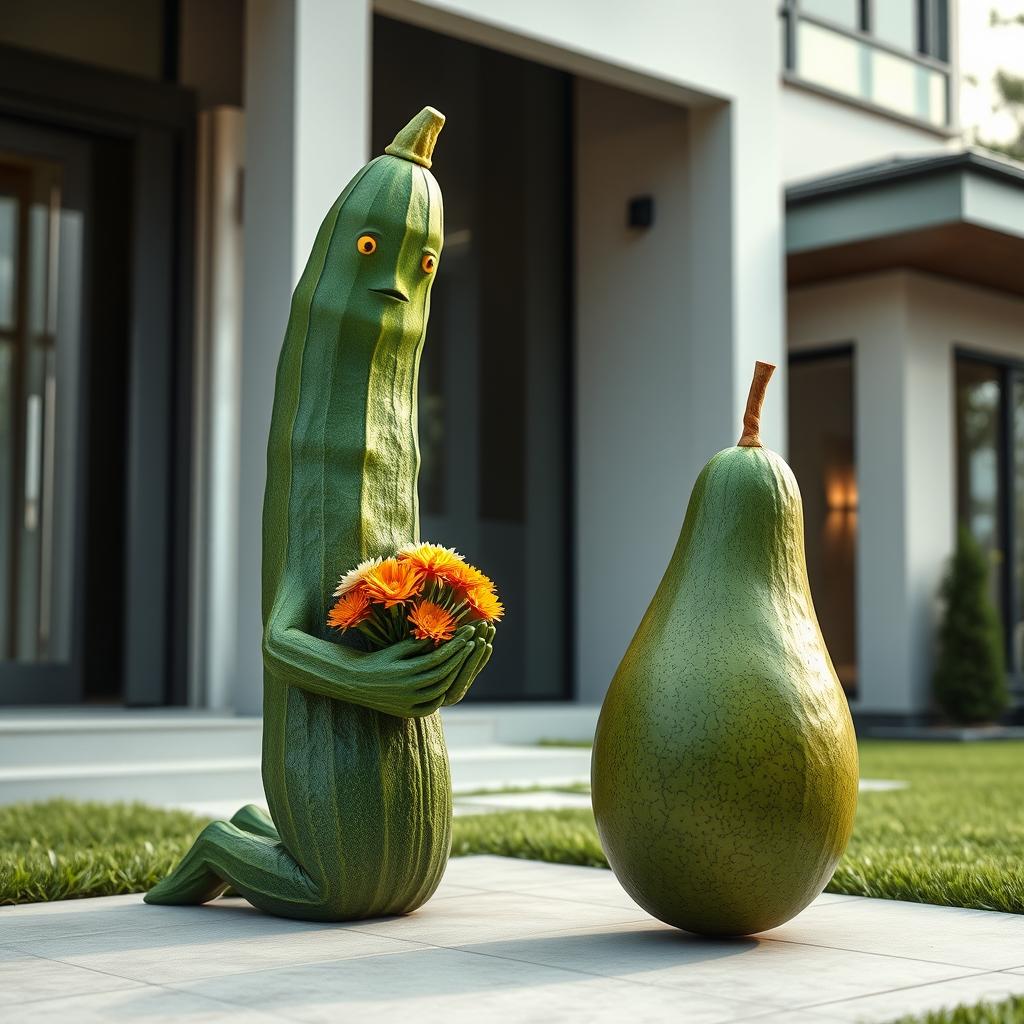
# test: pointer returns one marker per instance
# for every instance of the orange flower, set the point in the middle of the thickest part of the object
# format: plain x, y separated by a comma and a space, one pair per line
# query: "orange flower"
349, 610
430, 621
431, 559
483, 602
392, 582
464, 577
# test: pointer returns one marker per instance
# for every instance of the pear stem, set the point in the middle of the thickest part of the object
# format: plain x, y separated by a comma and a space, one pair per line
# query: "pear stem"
751, 436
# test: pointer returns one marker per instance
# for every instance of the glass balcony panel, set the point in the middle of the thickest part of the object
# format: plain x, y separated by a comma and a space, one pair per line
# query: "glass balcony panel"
936, 89
908, 87
829, 59
894, 83
853, 66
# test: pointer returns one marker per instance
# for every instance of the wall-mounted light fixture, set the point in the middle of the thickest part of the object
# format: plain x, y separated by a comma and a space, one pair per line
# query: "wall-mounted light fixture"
840, 489
640, 212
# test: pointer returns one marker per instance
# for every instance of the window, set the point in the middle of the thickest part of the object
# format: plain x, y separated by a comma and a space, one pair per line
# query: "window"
821, 454
892, 54
990, 482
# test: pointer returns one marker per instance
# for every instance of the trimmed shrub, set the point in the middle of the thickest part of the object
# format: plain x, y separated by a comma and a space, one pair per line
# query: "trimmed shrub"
970, 679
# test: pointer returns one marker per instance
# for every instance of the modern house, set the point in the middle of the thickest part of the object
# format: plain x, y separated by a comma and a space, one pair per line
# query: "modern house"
641, 199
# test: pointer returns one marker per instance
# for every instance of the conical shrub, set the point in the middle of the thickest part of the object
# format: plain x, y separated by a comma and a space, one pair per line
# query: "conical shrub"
970, 679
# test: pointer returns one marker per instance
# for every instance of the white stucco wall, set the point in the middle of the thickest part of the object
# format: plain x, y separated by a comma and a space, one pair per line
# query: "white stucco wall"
904, 327
634, 362
821, 135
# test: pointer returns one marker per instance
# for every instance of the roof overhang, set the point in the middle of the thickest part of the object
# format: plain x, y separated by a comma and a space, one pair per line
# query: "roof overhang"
956, 214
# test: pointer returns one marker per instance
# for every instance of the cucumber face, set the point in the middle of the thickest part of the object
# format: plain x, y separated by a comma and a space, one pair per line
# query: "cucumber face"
343, 458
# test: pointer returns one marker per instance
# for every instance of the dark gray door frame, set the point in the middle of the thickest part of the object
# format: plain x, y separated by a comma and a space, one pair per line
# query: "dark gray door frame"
60, 682
158, 119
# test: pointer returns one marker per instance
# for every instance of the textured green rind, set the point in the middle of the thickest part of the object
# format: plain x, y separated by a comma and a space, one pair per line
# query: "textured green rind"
355, 767
725, 763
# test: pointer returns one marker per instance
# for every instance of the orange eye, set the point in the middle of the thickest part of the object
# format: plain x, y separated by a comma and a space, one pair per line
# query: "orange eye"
428, 263
366, 244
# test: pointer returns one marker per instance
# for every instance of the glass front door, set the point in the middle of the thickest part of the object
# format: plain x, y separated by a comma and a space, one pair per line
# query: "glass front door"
821, 452
494, 381
41, 236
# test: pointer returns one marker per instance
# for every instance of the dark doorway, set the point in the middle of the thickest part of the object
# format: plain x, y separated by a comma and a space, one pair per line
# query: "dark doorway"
495, 397
95, 319
63, 285
822, 454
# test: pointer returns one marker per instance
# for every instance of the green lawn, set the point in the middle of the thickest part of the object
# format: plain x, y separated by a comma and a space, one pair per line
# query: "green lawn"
1010, 1011
955, 836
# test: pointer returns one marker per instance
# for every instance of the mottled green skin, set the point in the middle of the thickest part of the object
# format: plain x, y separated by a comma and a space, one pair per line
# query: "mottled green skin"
354, 760
725, 763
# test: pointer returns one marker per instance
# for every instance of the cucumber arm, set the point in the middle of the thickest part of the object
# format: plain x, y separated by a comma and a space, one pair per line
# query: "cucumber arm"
399, 680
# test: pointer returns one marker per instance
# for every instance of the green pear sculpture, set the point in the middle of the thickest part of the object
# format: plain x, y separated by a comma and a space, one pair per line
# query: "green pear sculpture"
725, 765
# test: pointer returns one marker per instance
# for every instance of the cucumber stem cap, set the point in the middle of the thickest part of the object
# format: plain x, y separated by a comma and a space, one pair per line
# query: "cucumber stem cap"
416, 140
751, 436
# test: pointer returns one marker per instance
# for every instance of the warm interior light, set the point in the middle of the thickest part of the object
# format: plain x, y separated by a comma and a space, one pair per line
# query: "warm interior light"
840, 489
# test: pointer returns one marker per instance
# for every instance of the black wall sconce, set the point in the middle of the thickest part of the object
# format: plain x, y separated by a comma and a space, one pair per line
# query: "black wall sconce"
640, 212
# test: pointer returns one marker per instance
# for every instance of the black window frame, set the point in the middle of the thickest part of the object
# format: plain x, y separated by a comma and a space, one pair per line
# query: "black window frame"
157, 120
1011, 597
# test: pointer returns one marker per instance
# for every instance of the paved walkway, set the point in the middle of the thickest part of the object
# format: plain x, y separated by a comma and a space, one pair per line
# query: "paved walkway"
503, 940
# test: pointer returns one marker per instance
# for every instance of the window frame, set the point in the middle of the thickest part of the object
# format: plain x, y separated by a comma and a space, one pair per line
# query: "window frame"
1010, 595
932, 52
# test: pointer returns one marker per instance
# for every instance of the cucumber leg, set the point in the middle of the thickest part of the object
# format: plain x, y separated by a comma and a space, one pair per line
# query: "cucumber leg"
257, 867
255, 820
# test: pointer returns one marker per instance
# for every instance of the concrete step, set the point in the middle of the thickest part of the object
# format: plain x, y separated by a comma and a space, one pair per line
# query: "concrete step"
124, 736
140, 736
164, 783
526, 722
503, 766
173, 757
190, 781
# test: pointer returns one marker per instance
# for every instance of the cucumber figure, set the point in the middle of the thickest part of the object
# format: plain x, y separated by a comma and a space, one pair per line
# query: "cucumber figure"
354, 760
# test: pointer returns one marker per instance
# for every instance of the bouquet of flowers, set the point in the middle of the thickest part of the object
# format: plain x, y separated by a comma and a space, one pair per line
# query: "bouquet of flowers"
425, 591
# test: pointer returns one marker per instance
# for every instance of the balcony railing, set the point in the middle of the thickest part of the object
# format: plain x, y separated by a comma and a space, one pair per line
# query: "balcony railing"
855, 64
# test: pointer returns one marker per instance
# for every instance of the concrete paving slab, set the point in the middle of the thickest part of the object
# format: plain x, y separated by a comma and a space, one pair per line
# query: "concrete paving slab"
969, 990
148, 1003
504, 940
772, 974
455, 985
24, 978
981, 939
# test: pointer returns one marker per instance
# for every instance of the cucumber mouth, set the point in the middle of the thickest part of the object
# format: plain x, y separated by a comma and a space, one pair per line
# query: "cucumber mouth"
391, 293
